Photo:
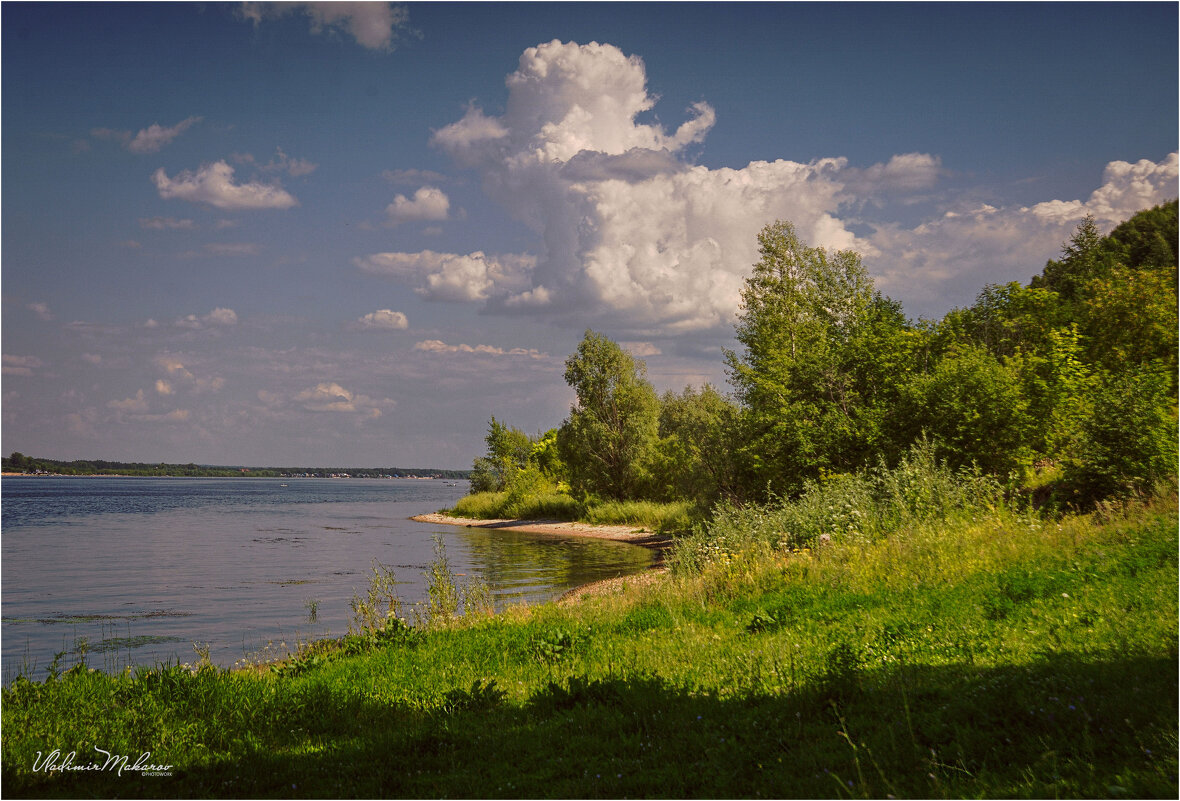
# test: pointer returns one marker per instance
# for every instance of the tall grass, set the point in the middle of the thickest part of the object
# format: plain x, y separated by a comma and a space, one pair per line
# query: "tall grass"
870, 505
670, 516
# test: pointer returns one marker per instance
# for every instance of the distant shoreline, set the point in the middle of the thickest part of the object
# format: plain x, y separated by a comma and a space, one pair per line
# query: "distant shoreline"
231, 477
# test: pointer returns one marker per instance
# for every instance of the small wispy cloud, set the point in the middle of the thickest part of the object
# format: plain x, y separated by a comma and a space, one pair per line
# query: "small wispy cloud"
20, 365
217, 317
438, 346
232, 248
151, 139
373, 25
413, 177
41, 310
166, 224
214, 184
281, 162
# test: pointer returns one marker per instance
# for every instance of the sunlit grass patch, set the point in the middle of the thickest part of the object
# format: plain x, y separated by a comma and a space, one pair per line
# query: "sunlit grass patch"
670, 516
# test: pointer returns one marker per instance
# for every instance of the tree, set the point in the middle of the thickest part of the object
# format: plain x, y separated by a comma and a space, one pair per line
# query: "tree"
1147, 241
974, 407
509, 450
811, 395
697, 433
1128, 441
608, 442
1082, 259
1130, 319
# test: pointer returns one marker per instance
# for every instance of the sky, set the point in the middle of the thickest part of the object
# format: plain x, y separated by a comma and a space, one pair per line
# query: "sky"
346, 234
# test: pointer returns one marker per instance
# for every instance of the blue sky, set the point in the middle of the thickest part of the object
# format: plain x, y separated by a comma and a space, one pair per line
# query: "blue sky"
347, 234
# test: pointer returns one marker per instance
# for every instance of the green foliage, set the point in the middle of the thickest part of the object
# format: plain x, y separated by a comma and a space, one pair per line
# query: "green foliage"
1130, 319
608, 442
545, 455
1127, 442
444, 599
1147, 241
974, 406
1082, 260
812, 400
509, 451
866, 506
546, 505
378, 605
666, 516
1006, 319
697, 432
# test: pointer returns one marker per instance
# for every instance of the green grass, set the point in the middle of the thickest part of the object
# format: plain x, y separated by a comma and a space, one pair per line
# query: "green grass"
673, 516
997, 654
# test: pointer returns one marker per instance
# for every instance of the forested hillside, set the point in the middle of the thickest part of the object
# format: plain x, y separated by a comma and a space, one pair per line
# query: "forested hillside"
1063, 389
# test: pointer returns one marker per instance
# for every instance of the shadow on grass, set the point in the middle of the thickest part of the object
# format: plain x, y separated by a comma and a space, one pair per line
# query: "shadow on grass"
1066, 726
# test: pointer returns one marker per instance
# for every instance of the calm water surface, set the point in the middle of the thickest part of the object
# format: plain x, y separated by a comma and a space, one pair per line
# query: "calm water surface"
141, 568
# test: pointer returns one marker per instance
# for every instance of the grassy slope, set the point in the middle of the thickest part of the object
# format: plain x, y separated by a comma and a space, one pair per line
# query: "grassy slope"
1006, 657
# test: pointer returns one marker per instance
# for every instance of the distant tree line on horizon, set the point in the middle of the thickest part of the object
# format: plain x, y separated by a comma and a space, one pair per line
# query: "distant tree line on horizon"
19, 463
1064, 389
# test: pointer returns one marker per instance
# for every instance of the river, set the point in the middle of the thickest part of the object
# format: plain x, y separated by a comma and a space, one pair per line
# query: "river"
135, 571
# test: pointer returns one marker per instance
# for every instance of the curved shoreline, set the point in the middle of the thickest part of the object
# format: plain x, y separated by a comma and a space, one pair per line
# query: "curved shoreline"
640, 536
636, 535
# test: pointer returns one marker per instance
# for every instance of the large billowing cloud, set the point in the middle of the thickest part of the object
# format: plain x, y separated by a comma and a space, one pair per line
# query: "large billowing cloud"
630, 228
632, 234
214, 184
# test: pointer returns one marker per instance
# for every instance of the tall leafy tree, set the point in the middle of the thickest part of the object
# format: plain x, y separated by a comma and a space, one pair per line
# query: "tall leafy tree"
698, 429
608, 443
809, 393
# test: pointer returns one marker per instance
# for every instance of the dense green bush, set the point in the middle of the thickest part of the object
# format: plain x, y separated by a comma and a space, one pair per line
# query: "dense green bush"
871, 504
1127, 444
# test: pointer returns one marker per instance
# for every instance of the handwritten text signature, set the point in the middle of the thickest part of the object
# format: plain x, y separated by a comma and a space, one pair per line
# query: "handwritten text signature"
67, 763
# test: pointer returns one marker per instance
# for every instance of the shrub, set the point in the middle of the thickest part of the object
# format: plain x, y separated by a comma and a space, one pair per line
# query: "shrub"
1128, 442
867, 505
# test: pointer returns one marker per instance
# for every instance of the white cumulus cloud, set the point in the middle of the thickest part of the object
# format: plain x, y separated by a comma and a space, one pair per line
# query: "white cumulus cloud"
214, 184
631, 228
428, 204
451, 276
383, 320
956, 254
633, 234
331, 397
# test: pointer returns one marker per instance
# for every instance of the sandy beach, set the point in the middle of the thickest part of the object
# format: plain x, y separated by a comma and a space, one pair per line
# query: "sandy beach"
636, 535
632, 534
